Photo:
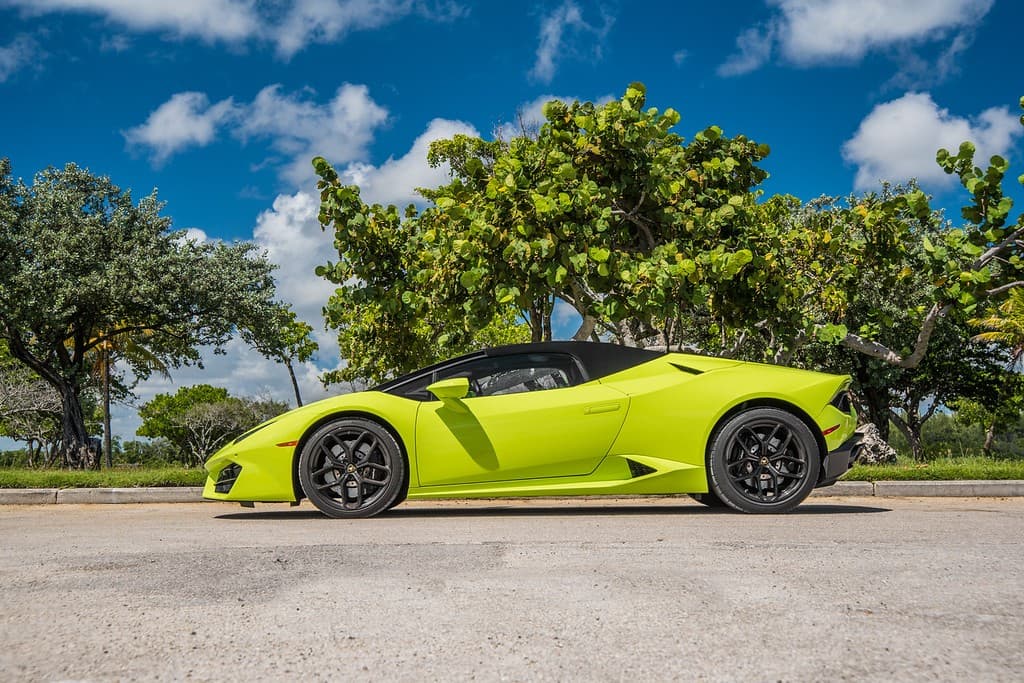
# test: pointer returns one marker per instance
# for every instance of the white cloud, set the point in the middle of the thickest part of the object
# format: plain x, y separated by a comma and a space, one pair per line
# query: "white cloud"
561, 31
195, 235
295, 124
754, 48
300, 128
290, 234
325, 21
22, 51
809, 32
228, 20
680, 56
289, 26
187, 119
395, 181
898, 140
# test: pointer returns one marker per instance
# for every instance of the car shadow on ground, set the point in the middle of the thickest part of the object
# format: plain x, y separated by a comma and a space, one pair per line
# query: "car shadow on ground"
546, 511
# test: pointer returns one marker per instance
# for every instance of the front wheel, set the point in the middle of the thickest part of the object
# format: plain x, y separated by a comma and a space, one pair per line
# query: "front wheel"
352, 467
763, 460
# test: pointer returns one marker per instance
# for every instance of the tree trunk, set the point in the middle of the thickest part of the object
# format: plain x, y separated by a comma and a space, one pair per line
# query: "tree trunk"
875, 401
106, 409
910, 426
74, 439
536, 323
990, 437
295, 384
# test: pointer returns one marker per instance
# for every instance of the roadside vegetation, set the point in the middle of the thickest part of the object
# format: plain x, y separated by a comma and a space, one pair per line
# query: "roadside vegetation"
24, 478
605, 215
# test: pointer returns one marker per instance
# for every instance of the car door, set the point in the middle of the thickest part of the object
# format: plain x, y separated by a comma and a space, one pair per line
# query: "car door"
527, 416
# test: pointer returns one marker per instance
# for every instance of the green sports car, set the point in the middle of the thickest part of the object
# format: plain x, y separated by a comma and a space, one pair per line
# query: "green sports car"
555, 418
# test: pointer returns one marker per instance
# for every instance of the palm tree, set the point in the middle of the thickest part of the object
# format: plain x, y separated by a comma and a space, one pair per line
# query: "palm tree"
105, 354
1004, 327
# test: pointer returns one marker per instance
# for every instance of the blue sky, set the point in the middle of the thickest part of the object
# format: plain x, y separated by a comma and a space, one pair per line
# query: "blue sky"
221, 103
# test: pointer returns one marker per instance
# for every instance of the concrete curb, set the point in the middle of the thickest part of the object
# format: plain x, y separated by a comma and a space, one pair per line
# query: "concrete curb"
964, 489
168, 494
194, 494
846, 488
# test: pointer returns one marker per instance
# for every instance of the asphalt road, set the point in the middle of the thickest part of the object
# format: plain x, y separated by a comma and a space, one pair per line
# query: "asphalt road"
663, 589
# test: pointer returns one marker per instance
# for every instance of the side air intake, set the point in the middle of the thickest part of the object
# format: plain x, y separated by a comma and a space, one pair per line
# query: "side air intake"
638, 469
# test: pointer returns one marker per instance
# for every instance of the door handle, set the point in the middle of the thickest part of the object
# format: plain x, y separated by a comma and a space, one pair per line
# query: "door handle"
602, 408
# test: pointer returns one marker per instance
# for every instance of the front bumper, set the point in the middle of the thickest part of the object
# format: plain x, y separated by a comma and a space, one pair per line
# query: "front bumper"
837, 462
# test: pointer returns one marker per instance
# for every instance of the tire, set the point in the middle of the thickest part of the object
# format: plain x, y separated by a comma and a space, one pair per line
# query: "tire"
710, 499
777, 452
352, 467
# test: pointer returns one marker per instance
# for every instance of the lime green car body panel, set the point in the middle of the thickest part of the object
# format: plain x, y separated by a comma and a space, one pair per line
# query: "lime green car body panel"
576, 440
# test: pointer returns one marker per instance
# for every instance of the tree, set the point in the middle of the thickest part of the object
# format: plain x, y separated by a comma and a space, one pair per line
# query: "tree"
283, 338
103, 359
29, 409
606, 210
82, 264
644, 233
1005, 326
199, 419
1001, 406
976, 263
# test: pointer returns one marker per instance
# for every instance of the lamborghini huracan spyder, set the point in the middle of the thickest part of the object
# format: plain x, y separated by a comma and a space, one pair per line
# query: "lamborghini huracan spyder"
556, 418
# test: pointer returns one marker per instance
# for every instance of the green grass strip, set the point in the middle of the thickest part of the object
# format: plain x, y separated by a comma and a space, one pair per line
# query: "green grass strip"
115, 478
946, 469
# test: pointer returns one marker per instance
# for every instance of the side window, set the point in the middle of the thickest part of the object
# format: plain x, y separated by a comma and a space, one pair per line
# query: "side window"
517, 374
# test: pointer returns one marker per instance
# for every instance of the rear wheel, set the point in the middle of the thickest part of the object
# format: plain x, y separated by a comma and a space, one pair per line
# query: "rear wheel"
352, 467
763, 460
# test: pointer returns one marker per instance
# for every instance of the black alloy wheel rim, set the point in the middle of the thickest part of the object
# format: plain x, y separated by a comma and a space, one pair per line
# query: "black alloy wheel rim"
766, 462
350, 466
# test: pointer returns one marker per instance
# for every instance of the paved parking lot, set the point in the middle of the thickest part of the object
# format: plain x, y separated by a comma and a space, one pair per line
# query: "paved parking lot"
658, 589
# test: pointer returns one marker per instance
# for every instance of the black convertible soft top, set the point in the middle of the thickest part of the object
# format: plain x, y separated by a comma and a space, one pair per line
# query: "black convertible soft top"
596, 359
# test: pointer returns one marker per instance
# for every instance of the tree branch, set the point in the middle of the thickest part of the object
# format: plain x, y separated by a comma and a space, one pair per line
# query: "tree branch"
994, 251
882, 352
1004, 288
586, 328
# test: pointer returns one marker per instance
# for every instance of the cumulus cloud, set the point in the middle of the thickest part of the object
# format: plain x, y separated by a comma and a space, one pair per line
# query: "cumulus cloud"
300, 128
229, 20
753, 48
295, 124
807, 33
186, 120
288, 26
291, 236
565, 31
22, 51
395, 181
898, 140
325, 21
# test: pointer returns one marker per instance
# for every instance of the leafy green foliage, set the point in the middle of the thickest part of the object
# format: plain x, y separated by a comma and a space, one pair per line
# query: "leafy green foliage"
114, 478
606, 209
199, 419
281, 336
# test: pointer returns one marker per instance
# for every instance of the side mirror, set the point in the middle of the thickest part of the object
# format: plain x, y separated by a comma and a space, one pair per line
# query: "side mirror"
450, 390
